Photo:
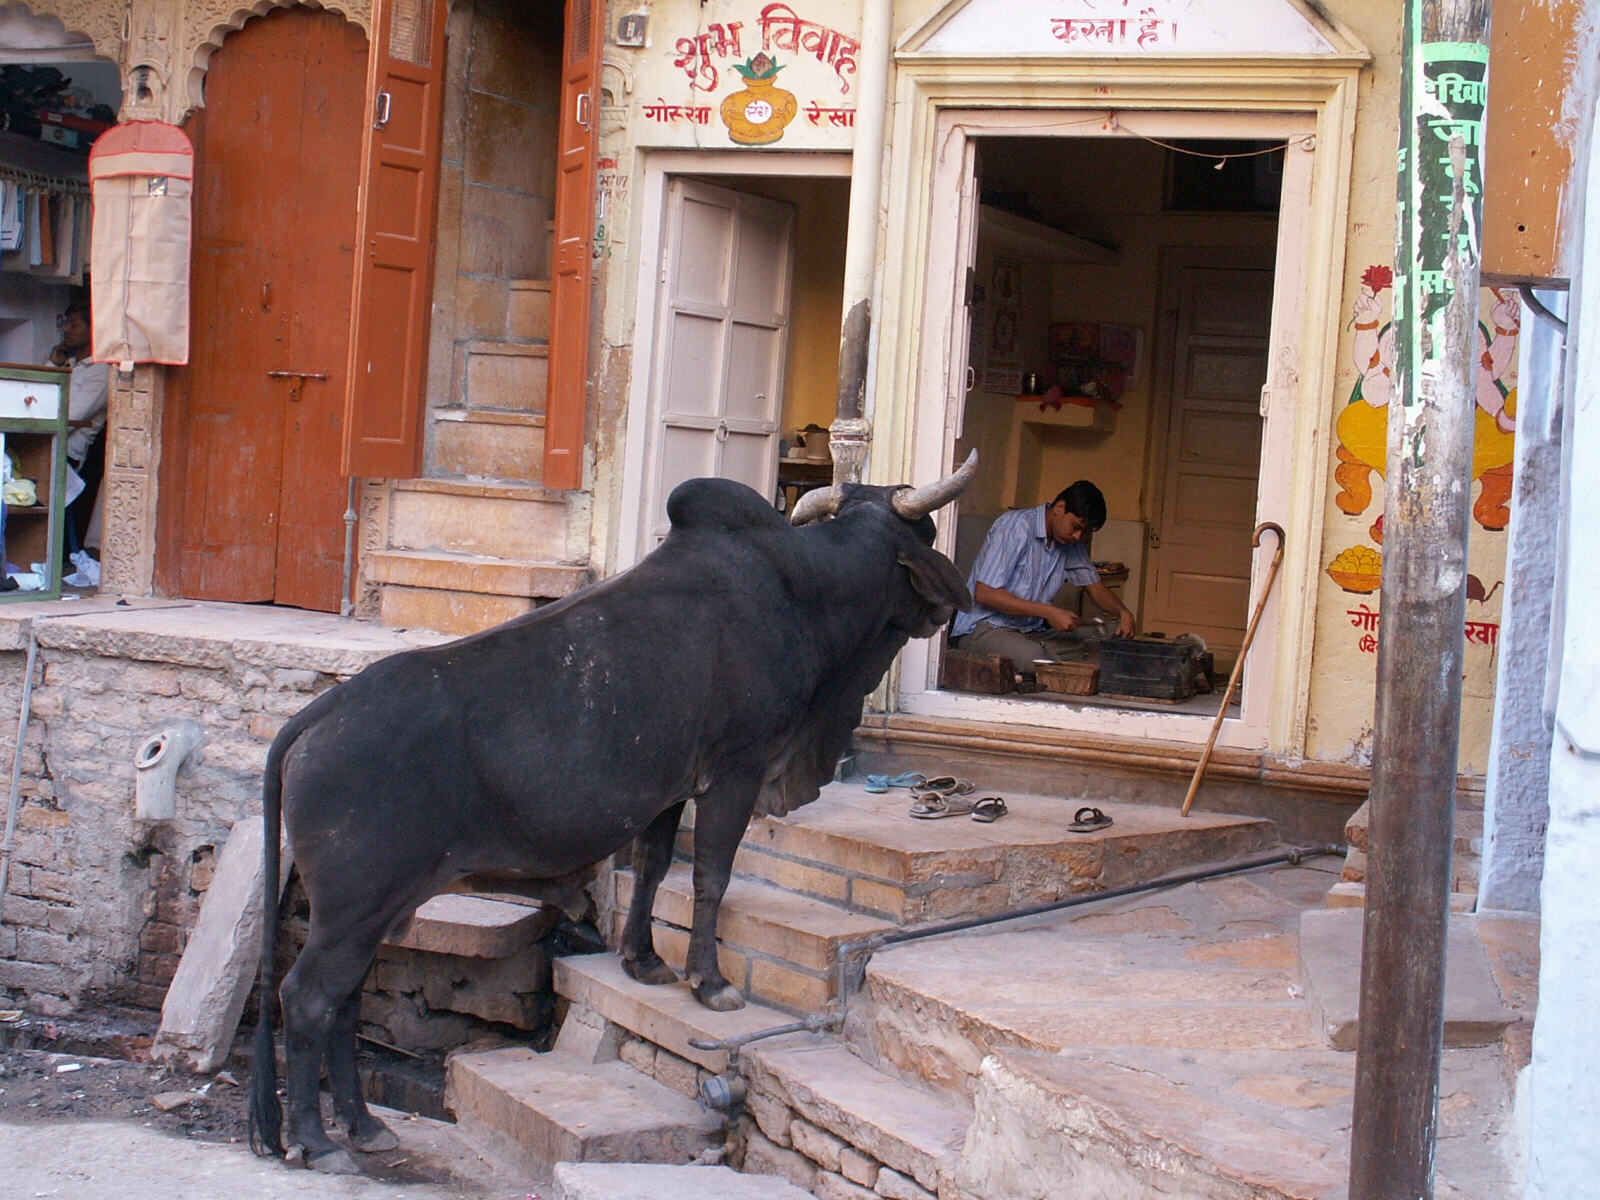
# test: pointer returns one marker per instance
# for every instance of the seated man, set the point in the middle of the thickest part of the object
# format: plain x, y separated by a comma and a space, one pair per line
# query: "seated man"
1026, 556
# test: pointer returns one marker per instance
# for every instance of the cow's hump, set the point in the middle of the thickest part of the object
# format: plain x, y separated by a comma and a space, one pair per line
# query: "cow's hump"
720, 504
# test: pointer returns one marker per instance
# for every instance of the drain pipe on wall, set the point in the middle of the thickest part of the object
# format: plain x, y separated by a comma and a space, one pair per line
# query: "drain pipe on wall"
850, 433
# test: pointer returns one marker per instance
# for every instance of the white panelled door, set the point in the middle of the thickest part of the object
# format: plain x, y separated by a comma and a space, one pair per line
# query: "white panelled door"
723, 331
1197, 578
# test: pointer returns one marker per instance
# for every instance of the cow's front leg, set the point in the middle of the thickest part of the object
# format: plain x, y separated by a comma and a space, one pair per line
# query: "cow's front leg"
652, 854
720, 820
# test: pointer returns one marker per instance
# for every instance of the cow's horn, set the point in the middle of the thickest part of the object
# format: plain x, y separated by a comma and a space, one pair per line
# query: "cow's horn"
916, 503
816, 504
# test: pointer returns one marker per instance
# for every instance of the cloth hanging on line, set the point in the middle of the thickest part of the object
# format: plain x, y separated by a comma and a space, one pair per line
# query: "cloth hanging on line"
141, 178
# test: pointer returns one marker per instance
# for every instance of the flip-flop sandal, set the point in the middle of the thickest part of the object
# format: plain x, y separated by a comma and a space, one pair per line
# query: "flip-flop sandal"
942, 785
989, 809
882, 783
1087, 820
932, 806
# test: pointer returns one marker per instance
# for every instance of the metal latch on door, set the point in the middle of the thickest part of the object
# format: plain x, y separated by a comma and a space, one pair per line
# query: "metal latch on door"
298, 379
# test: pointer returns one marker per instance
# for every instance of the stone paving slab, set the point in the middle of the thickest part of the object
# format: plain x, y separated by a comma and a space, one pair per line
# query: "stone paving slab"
635, 1181
470, 927
1330, 955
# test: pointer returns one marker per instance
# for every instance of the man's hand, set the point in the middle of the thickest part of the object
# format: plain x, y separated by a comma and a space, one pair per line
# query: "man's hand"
59, 357
1059, 618
1125, 624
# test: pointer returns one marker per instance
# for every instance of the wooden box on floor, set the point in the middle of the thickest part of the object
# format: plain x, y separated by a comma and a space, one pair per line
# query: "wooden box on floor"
1068, 678
986, 673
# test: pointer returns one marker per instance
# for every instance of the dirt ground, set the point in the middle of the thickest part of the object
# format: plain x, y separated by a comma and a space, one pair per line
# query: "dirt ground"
60, 1078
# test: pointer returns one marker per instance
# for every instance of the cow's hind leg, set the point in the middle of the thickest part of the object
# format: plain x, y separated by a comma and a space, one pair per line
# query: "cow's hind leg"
720, 819
365, 1131
327, 973
652, 854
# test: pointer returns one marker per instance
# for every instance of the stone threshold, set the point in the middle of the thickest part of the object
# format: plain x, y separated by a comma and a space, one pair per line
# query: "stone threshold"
900, 732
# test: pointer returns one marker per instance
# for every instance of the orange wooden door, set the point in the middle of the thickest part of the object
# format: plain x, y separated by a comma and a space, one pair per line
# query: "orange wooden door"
253, 498
573, 268
396, 230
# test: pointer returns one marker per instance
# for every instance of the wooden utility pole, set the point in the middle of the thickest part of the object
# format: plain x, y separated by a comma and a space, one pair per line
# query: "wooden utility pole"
1444, 87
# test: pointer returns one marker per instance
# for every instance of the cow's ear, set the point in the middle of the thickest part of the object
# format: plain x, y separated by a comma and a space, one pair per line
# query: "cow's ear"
936, 579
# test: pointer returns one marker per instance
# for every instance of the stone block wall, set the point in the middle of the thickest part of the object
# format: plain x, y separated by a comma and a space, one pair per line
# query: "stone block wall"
99, 903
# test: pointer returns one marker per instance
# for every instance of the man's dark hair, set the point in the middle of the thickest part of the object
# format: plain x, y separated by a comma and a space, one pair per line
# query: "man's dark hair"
1085, 501
78, 306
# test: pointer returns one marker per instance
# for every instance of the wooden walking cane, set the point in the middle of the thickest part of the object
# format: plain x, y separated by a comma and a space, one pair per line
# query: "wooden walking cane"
1238, 665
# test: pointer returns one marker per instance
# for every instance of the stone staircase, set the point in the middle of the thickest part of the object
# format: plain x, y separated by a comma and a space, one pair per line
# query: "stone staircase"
480, 541
835, 1118
1183, 1042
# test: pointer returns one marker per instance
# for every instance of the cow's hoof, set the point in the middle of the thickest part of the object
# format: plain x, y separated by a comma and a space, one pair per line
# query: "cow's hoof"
652, 971
333, 1162
722, 998
374, 1138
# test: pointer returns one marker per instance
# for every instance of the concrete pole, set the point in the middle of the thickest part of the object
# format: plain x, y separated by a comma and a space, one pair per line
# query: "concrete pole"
1443, 89
850, 432
1564, 1076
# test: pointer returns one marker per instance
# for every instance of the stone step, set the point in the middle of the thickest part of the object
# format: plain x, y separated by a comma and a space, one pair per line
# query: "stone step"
645, 1181
1213, 965
528, 310
1135, 1133
1229, 1125
808, 1092
820, 1084
504, 375
862, 851
1330, 966
536, 1110
779, 945
667, 1016
489, 443
498, 520
463, 593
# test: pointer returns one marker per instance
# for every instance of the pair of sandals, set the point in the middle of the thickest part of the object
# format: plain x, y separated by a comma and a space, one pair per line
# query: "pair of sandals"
946, 796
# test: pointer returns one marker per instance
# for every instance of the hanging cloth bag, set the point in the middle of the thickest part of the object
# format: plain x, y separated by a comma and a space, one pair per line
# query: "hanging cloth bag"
141, 179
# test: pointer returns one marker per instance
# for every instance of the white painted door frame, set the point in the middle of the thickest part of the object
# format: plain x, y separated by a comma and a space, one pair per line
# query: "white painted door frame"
940, 368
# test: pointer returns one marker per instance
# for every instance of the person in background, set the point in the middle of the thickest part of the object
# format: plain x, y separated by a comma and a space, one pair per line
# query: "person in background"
86, 411
1027, 555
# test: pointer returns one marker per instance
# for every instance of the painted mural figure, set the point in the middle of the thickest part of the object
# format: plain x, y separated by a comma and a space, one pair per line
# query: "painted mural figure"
1363, 425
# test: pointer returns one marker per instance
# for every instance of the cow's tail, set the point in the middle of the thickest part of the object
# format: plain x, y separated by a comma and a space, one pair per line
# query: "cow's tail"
266, 1114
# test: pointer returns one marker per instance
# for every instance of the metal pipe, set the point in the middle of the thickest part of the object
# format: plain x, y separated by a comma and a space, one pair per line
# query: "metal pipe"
814, 1023
1538, 309
850, 431
9, 846
347, 605
845, 950
1420, 650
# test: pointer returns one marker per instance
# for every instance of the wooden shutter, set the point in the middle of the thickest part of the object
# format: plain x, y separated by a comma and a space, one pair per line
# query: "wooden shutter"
573, 268
397, 211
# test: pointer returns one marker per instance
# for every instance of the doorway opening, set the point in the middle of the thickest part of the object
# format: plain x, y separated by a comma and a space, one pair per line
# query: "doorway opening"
1119, 312
743, 328
57, 96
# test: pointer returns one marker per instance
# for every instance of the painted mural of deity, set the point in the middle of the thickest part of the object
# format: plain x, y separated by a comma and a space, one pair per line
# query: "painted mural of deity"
1362, 428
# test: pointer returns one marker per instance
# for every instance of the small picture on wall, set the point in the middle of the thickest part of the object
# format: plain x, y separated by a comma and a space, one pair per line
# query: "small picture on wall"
1095, 363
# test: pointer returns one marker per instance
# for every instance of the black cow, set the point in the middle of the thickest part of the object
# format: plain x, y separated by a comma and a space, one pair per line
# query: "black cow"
728, 666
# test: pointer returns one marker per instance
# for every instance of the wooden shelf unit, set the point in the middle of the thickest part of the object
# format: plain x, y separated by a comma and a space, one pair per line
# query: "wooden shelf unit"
33, 430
